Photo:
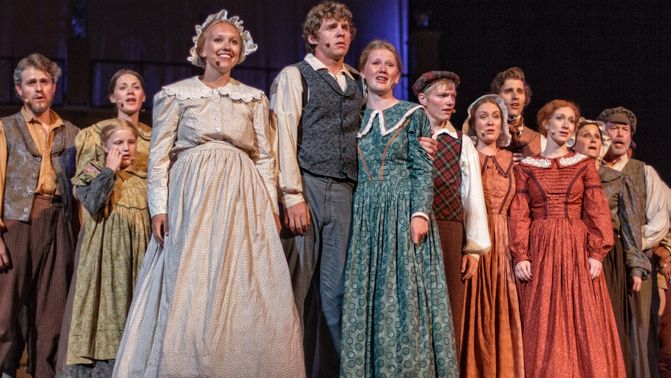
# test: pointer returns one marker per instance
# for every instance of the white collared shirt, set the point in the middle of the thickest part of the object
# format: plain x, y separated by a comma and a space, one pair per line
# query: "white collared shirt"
286, 105
656, 213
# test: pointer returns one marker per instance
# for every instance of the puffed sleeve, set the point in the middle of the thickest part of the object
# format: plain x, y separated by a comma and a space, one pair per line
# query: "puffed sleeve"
630, 229
166, 118
476, 225
90, 156
520, 217
96, 194
421, 167
596, 215
666, 242
656, 212
265, 163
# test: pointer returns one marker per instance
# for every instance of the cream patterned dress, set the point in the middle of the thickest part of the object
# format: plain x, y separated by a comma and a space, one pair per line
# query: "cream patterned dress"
216, 301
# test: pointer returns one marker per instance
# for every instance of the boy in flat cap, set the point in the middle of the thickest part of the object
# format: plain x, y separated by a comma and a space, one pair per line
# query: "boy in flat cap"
620, 127
459, 202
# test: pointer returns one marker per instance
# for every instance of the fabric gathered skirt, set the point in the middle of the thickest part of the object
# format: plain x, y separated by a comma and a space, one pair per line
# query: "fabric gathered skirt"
567, 316
396, 313
559, 217
492, 345
109, 257
216, 301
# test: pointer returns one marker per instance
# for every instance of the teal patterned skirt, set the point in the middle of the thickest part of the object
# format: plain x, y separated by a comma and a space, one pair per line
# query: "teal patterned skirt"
396, 313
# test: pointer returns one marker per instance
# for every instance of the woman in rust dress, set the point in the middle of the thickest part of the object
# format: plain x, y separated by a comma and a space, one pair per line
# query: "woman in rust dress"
560, 232
492, 340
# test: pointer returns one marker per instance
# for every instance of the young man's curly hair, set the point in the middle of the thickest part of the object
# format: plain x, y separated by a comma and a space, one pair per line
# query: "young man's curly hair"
325, 10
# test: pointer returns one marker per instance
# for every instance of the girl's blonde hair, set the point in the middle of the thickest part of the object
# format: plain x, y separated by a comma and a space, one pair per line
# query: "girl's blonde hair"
112, 125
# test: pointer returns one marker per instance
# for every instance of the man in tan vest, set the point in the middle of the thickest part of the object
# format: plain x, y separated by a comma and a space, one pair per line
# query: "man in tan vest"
620, 127
37, 217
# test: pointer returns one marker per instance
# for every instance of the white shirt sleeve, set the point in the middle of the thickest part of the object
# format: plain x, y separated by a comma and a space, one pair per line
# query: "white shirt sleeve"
473, 200
286, 105
656, 213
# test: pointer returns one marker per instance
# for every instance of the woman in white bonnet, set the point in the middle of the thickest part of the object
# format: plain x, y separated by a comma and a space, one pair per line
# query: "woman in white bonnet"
492, 342
214, 296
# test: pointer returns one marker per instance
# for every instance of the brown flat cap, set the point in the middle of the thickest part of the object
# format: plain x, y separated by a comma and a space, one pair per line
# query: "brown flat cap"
430, 77
619, 115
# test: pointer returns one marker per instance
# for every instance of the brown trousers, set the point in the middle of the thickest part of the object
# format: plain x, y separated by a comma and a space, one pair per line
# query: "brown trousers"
452, 242
42, 253
665, 339
619, 284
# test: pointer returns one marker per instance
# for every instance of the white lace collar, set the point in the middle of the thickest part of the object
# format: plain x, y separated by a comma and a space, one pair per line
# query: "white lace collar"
543, 162
383, 127
193, 89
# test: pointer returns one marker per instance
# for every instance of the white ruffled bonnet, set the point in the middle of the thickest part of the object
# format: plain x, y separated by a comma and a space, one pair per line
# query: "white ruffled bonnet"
248, 45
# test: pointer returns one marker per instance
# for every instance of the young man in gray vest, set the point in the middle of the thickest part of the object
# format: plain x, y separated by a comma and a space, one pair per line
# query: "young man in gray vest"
38, 219
316, 105
620, 127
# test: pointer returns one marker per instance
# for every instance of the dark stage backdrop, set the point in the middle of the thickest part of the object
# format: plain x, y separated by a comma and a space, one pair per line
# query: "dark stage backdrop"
597, 53
600, 54
95, 38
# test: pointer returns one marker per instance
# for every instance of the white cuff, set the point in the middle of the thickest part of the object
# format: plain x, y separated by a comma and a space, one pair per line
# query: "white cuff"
420, 214
290, 199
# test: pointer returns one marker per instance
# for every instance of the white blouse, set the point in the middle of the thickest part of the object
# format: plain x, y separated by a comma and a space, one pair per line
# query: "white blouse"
189, 113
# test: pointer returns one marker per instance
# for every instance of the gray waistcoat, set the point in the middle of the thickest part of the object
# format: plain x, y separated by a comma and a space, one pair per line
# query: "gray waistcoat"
23, 167
329, 123
635, 169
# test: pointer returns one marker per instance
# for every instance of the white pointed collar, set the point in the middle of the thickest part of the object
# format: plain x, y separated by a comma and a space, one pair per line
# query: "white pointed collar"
383, 127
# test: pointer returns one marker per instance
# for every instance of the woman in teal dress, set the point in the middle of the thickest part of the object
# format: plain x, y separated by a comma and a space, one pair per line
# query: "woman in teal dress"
396, 314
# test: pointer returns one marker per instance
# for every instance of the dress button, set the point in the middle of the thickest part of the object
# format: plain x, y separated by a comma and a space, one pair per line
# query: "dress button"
38, 158
34, 175
218, 129
26, 210
30, 191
